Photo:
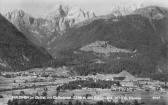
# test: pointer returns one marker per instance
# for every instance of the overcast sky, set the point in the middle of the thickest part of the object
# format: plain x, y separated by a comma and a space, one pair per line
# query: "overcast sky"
39, 8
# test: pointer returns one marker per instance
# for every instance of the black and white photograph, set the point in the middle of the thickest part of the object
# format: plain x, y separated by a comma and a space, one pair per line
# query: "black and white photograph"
83, 52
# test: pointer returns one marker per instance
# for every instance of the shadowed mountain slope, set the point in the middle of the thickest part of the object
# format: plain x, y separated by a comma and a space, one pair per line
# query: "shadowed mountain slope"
17, 52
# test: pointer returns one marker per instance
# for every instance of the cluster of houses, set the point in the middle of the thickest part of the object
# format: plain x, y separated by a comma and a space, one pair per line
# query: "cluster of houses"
23, 74
123, 88
37, 72
127, 81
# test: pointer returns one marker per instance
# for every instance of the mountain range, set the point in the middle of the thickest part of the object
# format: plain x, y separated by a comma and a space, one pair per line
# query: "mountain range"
135, 40
43, 31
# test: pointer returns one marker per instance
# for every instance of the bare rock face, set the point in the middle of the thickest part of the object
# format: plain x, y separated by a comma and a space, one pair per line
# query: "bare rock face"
65, 17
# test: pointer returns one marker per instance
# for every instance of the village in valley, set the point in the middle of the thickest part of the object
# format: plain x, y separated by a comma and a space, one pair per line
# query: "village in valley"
62, 83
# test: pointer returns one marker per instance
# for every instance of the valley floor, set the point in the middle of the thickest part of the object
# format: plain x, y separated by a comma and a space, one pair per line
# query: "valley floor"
32, 86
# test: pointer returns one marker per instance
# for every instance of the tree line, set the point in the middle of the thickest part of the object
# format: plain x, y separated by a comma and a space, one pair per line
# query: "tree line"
52, 102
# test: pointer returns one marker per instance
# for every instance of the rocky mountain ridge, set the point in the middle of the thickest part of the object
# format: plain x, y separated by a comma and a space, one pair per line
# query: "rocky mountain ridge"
42, 31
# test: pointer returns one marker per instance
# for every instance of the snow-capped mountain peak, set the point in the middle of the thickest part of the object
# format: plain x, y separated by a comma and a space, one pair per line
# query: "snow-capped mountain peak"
120, 10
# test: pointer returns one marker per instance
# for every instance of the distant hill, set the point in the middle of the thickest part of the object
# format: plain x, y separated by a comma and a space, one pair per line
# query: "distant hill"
17, 52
